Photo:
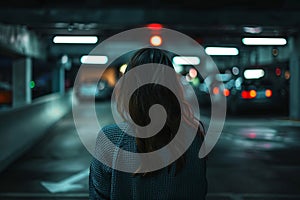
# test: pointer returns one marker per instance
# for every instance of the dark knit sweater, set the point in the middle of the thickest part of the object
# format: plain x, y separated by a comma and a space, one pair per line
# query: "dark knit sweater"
107, 183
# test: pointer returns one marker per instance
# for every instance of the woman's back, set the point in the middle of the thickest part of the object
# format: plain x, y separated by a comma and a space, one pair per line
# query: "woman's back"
188, 183
160, 166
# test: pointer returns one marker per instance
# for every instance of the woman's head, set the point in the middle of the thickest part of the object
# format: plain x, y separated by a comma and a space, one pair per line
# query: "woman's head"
154, 93
149, 55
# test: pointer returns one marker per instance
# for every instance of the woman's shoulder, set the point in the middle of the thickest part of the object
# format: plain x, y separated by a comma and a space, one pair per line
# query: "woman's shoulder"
112, 129
118, 133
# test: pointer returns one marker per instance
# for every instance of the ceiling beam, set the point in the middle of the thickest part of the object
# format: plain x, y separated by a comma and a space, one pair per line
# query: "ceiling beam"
128, 17
18, 41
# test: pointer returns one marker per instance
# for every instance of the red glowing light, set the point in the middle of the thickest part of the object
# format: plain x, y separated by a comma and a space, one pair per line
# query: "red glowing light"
278, 71
216, 90
154, 26
248, 94
226, 92
245, 94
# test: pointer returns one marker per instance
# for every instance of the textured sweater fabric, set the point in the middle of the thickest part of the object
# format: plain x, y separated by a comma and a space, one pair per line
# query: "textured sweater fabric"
107, 183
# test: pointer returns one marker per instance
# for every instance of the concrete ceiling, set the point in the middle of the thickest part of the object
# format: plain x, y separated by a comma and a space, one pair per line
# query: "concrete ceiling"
210, 21
194, 17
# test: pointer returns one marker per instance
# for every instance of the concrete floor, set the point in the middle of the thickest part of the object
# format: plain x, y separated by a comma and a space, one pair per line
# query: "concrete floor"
255, 158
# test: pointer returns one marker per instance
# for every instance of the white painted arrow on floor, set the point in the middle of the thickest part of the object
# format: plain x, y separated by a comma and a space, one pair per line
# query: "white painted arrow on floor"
66, 184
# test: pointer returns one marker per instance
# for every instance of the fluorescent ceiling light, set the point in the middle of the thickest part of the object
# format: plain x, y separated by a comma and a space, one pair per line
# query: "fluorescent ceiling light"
75, 39
186, 60
254, 73
91, 59
222, 51
264, 41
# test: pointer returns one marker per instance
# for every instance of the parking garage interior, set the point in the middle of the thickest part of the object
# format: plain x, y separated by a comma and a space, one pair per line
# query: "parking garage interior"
46, 76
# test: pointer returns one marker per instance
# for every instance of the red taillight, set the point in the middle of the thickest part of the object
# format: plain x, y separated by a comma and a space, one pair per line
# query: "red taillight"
268, 93
245, 94
226, 92
248, 94
278, 71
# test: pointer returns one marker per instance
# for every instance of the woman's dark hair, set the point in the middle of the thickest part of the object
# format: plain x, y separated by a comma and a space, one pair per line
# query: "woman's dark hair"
147, 95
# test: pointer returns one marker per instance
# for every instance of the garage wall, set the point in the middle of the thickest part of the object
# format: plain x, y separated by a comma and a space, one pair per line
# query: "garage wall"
21, 128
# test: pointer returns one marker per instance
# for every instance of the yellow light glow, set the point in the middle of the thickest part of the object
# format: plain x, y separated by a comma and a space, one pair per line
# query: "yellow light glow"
252, 93
156, 40
268, 93
123, 68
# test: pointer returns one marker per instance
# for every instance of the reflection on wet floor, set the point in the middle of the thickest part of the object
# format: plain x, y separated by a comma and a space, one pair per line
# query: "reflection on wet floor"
264, 137
248, 162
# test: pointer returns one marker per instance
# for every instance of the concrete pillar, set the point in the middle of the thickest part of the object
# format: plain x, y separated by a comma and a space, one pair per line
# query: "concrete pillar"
294, 47
283, 53
58, 80
253, 58
264, 55
244, 58
22, 72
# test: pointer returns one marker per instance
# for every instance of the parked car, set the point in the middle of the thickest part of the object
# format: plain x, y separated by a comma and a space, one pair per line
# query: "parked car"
261, 87
94, 89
